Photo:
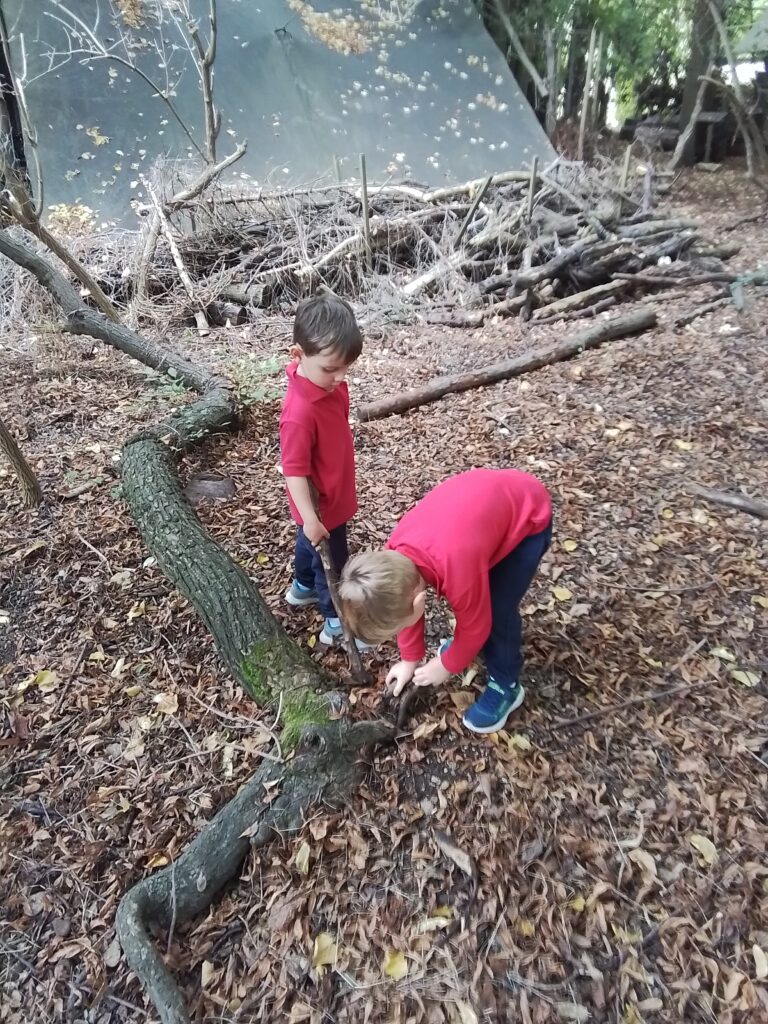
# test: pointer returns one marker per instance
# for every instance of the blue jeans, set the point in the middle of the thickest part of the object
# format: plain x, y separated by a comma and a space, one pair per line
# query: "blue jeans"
308, 568
509, 580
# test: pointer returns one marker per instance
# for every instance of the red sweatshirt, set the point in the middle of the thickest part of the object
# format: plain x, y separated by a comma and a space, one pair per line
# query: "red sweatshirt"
455, 535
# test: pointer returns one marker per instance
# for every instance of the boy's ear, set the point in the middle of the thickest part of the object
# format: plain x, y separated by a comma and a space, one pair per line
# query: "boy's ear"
295, 352
420, 602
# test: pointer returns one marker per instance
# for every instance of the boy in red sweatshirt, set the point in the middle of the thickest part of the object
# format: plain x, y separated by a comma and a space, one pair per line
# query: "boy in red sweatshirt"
477, 540
316, 450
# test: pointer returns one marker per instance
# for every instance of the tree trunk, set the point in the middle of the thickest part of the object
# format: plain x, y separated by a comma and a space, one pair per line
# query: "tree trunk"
277, 673
30, 488
620, 327
703, 42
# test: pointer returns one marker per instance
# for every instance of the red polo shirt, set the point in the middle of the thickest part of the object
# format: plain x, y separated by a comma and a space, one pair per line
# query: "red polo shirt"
316, 442
455, 535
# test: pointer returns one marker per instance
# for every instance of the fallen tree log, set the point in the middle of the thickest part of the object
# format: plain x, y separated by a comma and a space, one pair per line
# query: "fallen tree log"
619, 327
269, 666
729, 500
578, 300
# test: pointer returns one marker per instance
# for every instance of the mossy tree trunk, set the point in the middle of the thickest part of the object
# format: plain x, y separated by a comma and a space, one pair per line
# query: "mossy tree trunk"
326, 764
31, 491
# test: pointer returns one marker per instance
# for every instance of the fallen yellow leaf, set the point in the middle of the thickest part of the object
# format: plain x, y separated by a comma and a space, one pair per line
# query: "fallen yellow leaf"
261, 558
167, 703
570, 545
704, 847
519, 742
577, 904
759, 600
394, 965
761, 963
684, 446
206, 973
723, 654
137, 610
324, 950
301, 860
157, 860
132, 691
745, 678
561, 593
312, 641
526, 927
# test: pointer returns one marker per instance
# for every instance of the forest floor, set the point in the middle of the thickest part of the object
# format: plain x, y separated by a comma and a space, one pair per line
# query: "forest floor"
621, 860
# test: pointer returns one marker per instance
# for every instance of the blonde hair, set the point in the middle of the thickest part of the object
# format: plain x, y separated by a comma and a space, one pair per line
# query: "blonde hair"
376, 591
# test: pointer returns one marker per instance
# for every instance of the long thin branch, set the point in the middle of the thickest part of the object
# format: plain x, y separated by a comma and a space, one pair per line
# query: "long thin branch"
80, 319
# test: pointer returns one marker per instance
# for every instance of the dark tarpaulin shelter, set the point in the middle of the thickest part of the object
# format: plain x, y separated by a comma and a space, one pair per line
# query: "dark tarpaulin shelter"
419, 87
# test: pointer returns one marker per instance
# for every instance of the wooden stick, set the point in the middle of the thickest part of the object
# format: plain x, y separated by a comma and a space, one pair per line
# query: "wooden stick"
625, 169
186, 280
518, 47
586, 94
619, 327
579, 299
735, 501
578, 314
366, 213
633, 701
532, 189
479, 195
356, 669
596, 81
693, 314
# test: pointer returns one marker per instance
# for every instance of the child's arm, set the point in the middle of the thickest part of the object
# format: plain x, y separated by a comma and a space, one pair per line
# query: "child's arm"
299, 490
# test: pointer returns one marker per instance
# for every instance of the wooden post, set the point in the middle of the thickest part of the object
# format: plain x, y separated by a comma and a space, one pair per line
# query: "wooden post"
532, 189
596, 81
473, 209
366, 213
523, 57
586, 94
551, 115
337, 167
625, 168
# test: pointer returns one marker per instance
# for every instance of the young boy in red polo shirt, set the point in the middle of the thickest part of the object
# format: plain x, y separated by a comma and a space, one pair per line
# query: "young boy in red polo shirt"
476, 539
317, 454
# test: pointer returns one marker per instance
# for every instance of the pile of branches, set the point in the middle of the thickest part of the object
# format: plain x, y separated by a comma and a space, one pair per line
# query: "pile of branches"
569, 241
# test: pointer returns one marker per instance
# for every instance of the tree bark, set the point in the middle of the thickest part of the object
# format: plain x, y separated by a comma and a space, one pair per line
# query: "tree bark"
620, 327
703, 41
30, 488
248, 639
735, 501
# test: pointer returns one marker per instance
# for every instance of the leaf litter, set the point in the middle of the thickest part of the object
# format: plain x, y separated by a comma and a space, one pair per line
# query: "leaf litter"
620, 864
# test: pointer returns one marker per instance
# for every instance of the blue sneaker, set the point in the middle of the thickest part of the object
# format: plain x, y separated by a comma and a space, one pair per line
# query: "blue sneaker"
332, 631
493, 707
300, 596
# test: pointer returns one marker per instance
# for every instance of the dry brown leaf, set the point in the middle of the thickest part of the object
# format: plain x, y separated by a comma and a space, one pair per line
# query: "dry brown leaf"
455, 853
207, 972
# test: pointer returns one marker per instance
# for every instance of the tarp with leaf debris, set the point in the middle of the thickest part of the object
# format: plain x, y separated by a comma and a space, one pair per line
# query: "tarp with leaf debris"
419, 87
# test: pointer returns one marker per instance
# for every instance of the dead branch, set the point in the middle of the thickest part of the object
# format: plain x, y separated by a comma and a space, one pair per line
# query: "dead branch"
736, 501
619, 327
186, 280
31, 491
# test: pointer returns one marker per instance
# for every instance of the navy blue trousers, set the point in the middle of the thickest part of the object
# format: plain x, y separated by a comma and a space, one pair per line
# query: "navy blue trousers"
308, 568
509, 580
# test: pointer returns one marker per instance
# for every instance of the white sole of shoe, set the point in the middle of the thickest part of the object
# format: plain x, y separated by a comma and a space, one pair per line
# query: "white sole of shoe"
328, 640
298, 602
484, 730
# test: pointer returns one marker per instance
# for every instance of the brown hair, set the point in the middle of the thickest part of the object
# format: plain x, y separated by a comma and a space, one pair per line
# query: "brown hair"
327, 322
376, 591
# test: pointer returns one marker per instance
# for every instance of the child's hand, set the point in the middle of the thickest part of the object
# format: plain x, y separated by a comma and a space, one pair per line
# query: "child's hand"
433, 673
314, 531
401, 674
